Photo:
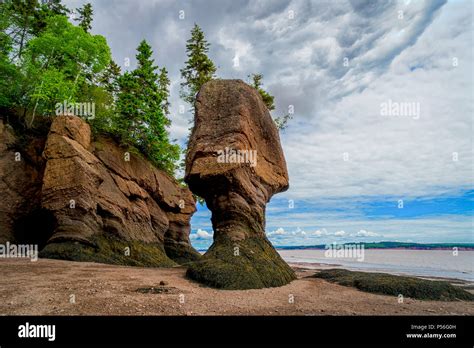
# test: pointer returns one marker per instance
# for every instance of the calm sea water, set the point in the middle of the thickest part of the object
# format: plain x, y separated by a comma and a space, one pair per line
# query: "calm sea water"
429, 263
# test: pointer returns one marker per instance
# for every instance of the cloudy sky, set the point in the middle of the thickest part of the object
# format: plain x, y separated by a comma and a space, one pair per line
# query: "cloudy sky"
380, 147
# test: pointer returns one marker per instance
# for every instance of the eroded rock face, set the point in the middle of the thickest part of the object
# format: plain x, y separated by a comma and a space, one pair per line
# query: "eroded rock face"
108, 205
236, 163
20, 187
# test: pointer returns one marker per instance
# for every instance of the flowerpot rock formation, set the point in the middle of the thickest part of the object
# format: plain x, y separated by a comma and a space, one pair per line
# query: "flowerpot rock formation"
236, 163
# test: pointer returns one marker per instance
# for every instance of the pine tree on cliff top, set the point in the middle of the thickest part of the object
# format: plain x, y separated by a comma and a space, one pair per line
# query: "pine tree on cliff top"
256, 82
55, 7
28, 19
164, 86
85, 17
142, 120
269, 100
109, 78
199, 68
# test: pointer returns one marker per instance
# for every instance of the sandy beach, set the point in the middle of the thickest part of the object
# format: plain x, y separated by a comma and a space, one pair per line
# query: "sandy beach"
54, 287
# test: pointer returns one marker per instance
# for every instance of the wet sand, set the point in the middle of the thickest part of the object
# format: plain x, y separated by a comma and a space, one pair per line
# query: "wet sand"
50, 287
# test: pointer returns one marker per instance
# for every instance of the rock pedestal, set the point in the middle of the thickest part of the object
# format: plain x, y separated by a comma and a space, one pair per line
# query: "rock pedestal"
236, 163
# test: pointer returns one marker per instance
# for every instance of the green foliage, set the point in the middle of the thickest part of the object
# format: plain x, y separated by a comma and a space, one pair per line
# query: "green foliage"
256, 82
387, 284
58, 63
85, 17
45, 10
28, 18
52, 87
109, 78
23, 23
282, 122
69, 48
142, 104
55, 7
269, 100
45, 60
8, 71
164, 87
104, 94
198, 68
104, 107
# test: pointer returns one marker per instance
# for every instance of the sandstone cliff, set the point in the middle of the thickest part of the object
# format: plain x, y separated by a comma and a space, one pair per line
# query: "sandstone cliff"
90, 200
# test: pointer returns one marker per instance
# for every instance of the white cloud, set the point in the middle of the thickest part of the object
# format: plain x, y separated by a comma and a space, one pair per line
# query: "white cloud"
392, 156
201, 234
364, 233
278, 231
340, 233
319, 233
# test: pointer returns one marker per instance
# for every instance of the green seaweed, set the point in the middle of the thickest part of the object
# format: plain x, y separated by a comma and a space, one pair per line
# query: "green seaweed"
181, 254
249, 264
388, 284
111, 250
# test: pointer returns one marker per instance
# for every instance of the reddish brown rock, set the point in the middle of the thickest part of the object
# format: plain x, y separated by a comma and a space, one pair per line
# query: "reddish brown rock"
236, 163
103, 203
21, 169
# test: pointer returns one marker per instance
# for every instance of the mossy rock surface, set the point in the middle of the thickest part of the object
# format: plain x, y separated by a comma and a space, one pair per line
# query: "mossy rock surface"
109, 250
181, 254
388, 284
249, 264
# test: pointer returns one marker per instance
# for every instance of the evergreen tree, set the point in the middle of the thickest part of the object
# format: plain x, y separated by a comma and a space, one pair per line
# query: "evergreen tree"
269, 100
85, 17
256, 82
8, 72
282, 122
142, 120
198, 68
164, 87
47, 9
109, 78
22, 18
55, 7
150, 110
5, 40
28, 19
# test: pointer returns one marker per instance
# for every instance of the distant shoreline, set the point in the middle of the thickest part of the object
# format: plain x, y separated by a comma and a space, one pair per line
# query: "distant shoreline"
399, 248
379, 246
385, 245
